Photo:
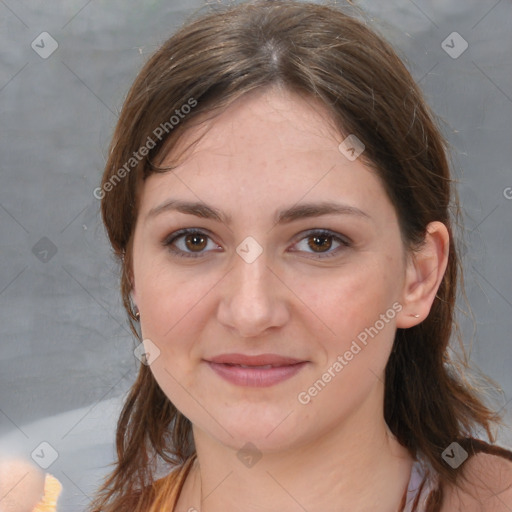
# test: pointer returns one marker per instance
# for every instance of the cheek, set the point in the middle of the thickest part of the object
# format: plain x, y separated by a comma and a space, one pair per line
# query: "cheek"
351, 298
166, 294
175, 307
360, 308
174, 311
356, 304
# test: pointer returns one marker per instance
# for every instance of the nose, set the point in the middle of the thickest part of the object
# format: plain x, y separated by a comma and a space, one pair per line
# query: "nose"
253, 299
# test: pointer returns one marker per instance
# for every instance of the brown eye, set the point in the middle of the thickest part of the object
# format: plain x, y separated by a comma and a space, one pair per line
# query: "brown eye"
196, 242
190, 243
320, 243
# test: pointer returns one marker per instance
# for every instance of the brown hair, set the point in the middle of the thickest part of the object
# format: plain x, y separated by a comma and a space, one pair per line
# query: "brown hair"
322, 53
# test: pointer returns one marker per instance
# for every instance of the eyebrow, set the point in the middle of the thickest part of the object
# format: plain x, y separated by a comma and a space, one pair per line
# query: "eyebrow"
296, 212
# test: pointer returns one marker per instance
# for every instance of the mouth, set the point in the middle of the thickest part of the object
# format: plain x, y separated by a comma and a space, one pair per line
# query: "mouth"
255, 371
265, 367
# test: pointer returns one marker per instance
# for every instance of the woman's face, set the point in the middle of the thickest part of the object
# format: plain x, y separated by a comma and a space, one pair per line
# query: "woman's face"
293, 254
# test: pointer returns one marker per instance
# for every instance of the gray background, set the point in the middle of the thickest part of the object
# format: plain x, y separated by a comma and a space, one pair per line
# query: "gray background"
66, 359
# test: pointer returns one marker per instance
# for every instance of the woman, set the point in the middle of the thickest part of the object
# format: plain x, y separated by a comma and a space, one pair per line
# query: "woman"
279, 198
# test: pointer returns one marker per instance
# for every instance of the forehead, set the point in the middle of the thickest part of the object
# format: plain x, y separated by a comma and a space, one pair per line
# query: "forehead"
270, 145
263, 122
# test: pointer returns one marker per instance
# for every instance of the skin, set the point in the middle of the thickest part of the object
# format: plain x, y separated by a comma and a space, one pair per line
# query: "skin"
21, 485
269, 151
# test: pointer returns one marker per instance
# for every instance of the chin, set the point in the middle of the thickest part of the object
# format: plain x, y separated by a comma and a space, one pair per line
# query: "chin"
260, 441
268, 430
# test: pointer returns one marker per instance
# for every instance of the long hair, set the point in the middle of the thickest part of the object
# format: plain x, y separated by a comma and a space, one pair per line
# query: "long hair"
322, 53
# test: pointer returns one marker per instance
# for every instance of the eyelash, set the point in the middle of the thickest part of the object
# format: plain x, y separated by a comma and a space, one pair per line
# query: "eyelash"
168, 241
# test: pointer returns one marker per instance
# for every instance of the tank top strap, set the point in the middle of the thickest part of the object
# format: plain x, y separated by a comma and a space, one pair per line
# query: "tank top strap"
421, 483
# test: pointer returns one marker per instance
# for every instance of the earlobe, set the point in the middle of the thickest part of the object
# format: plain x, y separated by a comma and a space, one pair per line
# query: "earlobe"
424, 273
133, 294
135, 308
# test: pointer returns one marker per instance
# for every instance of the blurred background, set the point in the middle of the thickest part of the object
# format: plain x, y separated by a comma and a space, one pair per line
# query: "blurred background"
66, 359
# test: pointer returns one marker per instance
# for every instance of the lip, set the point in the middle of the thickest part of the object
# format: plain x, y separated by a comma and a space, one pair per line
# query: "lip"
257, 371
259, 360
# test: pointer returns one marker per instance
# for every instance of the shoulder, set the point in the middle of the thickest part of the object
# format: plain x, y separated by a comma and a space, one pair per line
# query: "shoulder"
486, 486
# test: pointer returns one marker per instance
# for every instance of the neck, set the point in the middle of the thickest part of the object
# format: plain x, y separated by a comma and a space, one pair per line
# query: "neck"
355, 467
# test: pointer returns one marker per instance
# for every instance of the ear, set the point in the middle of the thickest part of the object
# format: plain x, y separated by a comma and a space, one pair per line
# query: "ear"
128, 272
424, 272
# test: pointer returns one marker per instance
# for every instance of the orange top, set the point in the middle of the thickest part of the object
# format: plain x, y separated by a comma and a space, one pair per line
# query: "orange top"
168, 488
52, 489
